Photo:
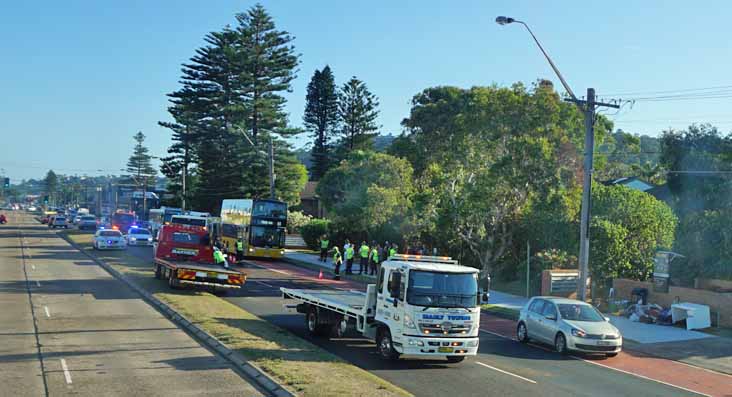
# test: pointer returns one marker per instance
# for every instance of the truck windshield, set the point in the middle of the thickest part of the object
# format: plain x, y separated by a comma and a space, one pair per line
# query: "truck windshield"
186, 238
436, 289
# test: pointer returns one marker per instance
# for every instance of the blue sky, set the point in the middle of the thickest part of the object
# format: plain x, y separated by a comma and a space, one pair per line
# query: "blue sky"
79, 78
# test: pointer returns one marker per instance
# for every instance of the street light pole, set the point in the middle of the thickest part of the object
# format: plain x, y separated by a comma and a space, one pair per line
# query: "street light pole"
588, 107
270, 155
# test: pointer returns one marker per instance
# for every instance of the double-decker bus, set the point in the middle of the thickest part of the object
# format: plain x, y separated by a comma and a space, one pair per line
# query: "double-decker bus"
260, 224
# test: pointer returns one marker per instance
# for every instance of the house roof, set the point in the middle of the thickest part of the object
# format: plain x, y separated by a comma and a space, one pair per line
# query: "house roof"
308, 192
632, 182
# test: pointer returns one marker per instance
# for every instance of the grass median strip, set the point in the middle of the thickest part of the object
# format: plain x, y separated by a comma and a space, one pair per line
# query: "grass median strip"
500, 311
301, 366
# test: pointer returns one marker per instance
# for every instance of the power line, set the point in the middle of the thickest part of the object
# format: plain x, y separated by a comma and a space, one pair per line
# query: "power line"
669, 91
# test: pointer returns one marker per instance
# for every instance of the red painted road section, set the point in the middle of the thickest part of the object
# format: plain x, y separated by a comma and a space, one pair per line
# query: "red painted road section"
657, 369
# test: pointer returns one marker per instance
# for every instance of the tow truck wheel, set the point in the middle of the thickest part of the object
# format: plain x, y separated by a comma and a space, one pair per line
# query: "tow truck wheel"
311, 321
385, 345
172, 281
455, 359
158, 272
340, 328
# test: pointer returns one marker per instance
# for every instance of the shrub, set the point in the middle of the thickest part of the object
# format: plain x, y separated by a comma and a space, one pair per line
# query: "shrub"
295, 220
312, 231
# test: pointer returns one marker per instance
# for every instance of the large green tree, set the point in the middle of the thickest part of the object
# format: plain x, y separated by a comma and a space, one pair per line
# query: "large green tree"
357, 112
230, 105
321, 119
139, 166
50, 183
367, 193
482, 155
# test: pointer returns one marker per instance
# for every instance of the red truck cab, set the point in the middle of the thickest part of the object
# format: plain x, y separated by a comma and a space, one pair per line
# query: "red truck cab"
183, 256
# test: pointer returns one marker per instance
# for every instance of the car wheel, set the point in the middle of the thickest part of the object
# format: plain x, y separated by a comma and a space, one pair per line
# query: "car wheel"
560, 344
455, 359
522, 334
385, 345
611, 354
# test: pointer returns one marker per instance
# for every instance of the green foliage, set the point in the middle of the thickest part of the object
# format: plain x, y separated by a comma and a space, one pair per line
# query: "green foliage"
51, 185
624, 154
295, 220
705, 239
357, 113
321, 119
139, 166
367, 192
313, 230
627, 229
233, 86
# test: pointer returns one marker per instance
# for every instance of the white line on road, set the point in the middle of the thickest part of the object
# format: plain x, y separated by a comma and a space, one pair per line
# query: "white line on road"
67, 374
48, 314
643, 377
38, 283
263, 283
506, 372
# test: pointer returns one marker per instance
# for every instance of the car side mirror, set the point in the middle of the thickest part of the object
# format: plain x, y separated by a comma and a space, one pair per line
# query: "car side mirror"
552, 317
607, 319
483, 297
394, 288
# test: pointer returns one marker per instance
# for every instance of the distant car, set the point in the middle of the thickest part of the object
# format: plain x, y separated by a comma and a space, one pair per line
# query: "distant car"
58, 221
109, 239
77, 219
568, 325
139, 236
31, 209
87, 222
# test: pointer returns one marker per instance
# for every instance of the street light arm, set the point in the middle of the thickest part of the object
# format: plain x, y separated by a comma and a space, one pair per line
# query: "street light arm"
561, 78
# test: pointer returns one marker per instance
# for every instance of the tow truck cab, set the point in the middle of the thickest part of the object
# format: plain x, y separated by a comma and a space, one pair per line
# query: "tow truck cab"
429, 305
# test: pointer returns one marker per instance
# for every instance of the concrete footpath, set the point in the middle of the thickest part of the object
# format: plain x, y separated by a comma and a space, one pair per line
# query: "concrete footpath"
672, 343
68, 327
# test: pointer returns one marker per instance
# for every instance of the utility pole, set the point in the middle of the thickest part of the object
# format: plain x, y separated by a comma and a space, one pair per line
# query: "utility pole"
271, 170
588, 108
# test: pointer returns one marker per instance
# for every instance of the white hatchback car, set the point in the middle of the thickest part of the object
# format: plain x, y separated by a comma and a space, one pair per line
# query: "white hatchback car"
139, 236
568, 325
109, 239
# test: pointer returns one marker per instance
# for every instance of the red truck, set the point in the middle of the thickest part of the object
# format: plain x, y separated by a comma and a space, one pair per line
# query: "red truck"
183, 256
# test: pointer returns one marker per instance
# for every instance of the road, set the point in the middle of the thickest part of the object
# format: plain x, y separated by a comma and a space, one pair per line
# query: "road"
502, 367
69, 328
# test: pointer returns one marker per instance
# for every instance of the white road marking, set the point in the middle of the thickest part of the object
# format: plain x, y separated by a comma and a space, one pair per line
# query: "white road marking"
506, 372
263, 283
48, 314
598, 364
277, 271
33, 267
67, 374
643, 377
38, 283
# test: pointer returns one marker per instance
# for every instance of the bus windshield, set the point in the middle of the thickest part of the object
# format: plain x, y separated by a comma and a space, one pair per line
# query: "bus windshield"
270, 209
263, 236
433, 289
168, 215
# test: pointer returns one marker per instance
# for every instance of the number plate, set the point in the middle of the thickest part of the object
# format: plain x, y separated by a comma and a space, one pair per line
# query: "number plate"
604, 343
183, 251
445, 350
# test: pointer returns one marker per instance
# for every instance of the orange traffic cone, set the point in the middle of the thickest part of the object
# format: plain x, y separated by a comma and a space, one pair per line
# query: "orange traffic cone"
320, 276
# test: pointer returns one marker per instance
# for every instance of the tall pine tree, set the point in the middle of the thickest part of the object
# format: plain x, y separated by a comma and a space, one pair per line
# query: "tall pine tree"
357, 113
321, 119
139, 166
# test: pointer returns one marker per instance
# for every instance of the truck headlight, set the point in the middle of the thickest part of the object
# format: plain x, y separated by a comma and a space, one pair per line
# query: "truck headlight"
408, 321
413, 342
133, 238
149, 239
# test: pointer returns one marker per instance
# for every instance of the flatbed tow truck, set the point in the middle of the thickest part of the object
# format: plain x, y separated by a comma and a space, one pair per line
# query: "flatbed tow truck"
420, 306
184, 257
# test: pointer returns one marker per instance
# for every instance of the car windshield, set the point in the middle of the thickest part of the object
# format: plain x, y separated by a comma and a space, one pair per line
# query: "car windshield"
59, 219
139, 231
579, 312
110, 233
88, 218
442, 289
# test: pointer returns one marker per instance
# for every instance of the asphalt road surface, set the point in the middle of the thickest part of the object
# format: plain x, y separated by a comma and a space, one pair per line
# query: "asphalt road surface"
69, 328
502, 367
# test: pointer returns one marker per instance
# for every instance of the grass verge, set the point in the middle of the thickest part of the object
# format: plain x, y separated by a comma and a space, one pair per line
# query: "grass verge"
304, 368
500, 311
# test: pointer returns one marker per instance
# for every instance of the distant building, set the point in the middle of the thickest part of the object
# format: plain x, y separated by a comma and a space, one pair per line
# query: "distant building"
632, 182
310, 202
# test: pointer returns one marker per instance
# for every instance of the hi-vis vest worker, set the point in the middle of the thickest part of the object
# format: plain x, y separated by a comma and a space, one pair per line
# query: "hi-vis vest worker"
349, 252
364, 251
375, 255
219, 257
239, 246
336, 255
392, 251
324, 243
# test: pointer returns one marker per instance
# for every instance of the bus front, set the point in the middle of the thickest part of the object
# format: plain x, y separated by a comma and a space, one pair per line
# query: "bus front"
267, 229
